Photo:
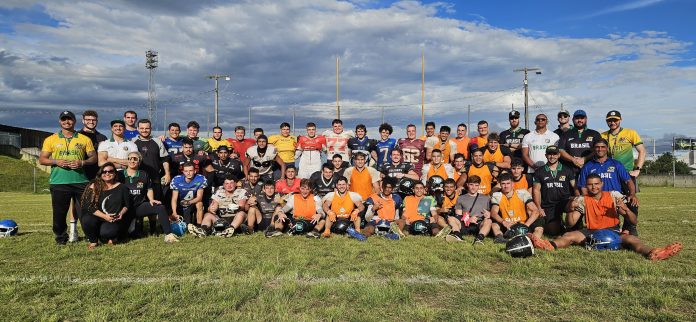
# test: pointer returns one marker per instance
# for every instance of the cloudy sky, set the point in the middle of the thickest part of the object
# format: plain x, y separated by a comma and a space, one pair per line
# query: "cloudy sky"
634, 56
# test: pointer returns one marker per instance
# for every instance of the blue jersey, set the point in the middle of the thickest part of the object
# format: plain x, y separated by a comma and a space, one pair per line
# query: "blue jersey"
173, 146
187, 190
384, 150
613, 174
130, 135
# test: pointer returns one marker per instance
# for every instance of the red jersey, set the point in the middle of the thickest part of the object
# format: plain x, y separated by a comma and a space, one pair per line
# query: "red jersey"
316, 143
414, 153
283, 188
241, 146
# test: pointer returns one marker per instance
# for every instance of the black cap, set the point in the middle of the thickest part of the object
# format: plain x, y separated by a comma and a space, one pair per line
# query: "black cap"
514, 115
563, 112
552, 149
223, 148
614, 115
117, 121
66, 114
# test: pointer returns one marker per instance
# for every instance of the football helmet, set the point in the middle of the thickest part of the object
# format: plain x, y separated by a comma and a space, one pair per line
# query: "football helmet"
382, 227
519, 246
220, 225
420, 227
406, 186
301, 227
178, 227
516, 230
436, 184
340, 226
605, 239
8, 227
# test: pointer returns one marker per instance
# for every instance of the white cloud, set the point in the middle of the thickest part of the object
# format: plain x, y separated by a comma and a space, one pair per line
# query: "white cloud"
282, 54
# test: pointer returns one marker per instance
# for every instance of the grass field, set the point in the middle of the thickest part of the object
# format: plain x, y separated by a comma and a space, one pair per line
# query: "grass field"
17, 176
293, 278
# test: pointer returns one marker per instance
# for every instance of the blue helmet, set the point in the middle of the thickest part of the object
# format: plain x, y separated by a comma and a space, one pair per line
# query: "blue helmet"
382, 227
605, 239
8, 227
178, 227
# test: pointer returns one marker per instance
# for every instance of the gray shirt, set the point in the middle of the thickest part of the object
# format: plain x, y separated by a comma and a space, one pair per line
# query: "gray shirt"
465, 201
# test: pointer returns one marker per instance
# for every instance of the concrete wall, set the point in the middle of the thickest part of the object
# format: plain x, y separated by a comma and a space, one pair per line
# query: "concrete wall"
31, 155
662, 181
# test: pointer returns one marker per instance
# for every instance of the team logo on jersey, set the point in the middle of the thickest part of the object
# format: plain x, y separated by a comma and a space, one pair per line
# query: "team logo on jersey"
79, 146
623, 140
140, 185
589, 139
561, 178
610, 169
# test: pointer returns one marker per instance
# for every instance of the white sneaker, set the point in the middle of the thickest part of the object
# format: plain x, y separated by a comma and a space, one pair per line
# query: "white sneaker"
170, 238
72, 235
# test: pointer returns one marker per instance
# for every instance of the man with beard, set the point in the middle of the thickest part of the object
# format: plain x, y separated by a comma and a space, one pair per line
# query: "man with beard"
512, 137
576, 143
554, 185
225, 166
90, 119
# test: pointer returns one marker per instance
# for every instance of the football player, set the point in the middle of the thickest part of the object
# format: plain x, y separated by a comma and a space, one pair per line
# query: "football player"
496, 153
187, 195
509, 207
342, 208
554, 185
385, 145
337, 140
226, 211
306, 209
419, 214
413, 149
262, 208
285, 144
445, 145
290, 184
396, 168
437, 167
309, 152
362, 144
323, 181
262, 156
382, 209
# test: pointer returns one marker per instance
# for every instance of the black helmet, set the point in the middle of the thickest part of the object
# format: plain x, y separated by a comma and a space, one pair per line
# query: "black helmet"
519, 246
301, 227
340, 226
420, 227
406, 186
220, 225
436, 184
516, 230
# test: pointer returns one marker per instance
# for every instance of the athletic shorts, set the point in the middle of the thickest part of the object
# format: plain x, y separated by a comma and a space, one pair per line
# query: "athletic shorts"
554, 212
264, 224
473, 229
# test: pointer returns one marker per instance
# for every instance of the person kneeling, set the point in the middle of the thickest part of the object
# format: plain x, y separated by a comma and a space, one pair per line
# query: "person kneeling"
305, 219
225, 213
601, 210
104, 204
510, 206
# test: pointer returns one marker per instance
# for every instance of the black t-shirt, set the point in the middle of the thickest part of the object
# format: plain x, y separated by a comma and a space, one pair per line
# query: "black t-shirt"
391, 170
343, 168
96, 138
267, 205
110, 201
137, 185
577, 144
321, 186
514, 137
555, 186
232, 166
256, 190
154, 155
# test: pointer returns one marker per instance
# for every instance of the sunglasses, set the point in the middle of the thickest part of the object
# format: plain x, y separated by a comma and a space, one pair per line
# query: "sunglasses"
108, 171
133, 159
541, 120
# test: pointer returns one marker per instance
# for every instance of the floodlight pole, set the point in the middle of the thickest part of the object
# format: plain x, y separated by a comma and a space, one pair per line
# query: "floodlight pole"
526, 90
216, 77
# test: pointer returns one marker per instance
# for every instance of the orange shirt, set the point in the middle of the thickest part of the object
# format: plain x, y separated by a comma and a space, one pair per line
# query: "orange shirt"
513, 209
522, 184
600, 214
496, 156
342, 206
440, 171
484, 172
462, 146
361, 182
304, 208
446, 149
388, 209
411, 209
448, 203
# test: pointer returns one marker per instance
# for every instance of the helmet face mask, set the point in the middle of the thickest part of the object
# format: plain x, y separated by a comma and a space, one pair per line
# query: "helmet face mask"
8, 227
178, 227
518, 229
604, 239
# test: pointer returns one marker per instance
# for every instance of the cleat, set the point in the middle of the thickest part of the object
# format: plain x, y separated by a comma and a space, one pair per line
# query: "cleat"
444, 232
228, 232
392, 236
355, 234
540, 243
313, 234
453, 238
273, 233
196, 231
170, 238
500, 239
665, 252
394, 228
477, 242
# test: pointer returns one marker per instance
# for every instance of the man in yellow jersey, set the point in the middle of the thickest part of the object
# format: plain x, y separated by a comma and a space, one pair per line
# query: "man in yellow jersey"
622, 141
66, 152
462, 140
509, 207
216, 141
342, 209
285, 144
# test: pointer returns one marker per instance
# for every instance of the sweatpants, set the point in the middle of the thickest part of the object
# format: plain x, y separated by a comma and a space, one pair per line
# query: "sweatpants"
98, 229
61, 194
145, 209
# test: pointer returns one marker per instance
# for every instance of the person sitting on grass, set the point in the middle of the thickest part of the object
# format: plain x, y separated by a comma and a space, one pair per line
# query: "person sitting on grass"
226, 208
510, 206
472, 214
187, 195
305, 207
382, 209
601, 210
419, 215
262, 207
104, 204
342, 208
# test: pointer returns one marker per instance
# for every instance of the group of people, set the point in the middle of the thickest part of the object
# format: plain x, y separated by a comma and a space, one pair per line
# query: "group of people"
566, 183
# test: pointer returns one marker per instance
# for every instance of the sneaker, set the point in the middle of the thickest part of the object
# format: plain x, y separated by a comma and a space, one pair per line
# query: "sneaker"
500, 239
394, 228
477, 242
453, 238
228, 232
355, 234
170, 238
540, 243
444, 232
392, 236
665, 252
313, 234
73, 235
196, 231
273, 233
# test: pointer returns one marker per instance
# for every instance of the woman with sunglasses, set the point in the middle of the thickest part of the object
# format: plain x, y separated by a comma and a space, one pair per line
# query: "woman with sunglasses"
142, 196
104, 204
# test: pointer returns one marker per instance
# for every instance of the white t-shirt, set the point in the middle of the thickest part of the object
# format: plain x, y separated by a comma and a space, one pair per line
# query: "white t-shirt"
117, 150
537, 144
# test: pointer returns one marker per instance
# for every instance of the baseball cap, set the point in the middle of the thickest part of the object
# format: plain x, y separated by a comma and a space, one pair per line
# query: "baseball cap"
552, 149
118, 122
66, 114
563, 112
223, 148
614, 115
579, 113
514, 115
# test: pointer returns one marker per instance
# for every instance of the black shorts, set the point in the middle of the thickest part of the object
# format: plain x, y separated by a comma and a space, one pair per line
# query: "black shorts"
588, 232
555, 211
472, 229
264, 224
537, 223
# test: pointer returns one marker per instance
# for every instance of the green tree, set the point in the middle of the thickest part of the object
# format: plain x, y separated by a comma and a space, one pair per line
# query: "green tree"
663, 165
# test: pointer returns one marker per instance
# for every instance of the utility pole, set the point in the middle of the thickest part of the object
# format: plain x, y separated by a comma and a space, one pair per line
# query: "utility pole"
338, 96
249, 129
151, 62
526, 91
423, 92
216, 77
